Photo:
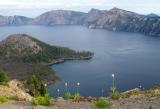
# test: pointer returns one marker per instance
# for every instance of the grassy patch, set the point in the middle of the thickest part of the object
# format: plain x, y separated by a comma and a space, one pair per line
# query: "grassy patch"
114, 94
101, 103
77, 97
3, 99
40, 100
68, 96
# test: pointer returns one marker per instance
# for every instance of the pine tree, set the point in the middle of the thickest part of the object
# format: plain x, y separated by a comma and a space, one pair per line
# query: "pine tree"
35, 86
43, 90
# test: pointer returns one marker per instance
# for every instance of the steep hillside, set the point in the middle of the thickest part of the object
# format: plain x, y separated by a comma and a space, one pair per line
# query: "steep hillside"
24, 48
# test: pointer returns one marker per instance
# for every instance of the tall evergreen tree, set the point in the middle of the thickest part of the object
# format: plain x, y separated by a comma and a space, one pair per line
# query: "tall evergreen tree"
43, 90
35, 86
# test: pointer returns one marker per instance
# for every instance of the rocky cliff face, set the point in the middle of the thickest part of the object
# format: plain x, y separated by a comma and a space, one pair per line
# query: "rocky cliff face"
15, 89
92, 17
13, 20
114, 19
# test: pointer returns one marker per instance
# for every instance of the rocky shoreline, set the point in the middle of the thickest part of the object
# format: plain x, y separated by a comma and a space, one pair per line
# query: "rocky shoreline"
61, 61
67, 59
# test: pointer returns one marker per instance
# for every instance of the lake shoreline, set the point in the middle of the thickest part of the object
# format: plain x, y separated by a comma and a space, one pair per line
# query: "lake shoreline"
67, 59
59, 61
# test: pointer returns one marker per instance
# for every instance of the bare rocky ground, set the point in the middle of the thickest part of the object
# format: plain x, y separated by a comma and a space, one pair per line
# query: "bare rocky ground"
137, 102
134, 102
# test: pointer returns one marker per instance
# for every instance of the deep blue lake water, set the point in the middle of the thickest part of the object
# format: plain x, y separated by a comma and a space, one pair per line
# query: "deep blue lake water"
134, 58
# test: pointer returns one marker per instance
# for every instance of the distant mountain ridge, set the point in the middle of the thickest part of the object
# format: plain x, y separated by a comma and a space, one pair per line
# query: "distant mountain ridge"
114, 19
153, 15
14, 20
122, 20
59, 17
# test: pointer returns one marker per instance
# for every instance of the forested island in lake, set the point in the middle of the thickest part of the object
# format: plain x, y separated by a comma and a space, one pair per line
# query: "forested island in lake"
22, 56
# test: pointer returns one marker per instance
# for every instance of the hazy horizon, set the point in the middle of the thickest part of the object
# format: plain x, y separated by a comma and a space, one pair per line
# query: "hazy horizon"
33, 8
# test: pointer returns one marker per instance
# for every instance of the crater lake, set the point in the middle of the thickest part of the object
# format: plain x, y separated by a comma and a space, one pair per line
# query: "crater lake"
133, 58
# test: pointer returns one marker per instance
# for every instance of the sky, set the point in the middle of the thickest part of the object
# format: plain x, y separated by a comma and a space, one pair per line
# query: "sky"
33, 8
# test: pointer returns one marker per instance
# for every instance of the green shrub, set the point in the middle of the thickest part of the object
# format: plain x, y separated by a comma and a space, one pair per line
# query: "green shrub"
101, 103
3, 99
77, 97
46, 100
114, 93
68, 96
3, 76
